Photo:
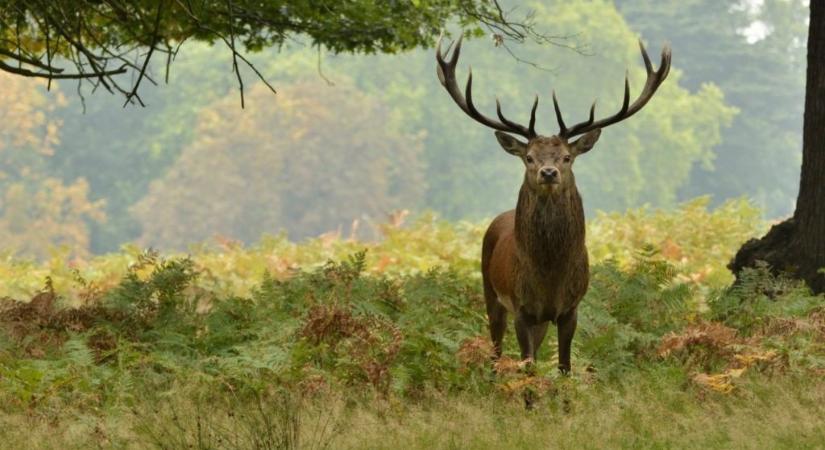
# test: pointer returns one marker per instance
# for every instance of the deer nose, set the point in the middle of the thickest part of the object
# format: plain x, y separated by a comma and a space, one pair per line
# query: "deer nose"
549, 174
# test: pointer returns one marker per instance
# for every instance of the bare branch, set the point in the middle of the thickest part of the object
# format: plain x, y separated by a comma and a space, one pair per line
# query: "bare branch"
30, 61
59, 76
234, 51
155, 34
321, 70
235, 54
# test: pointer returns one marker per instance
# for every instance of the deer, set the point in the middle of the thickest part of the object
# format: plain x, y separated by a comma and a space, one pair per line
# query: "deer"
534, 262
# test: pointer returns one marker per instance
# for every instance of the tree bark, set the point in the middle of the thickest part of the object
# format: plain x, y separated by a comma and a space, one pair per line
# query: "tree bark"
797, 245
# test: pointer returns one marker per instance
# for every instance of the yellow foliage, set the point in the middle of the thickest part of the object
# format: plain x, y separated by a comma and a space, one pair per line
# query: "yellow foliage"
37, 212
285, 163
35, 220
230, 268
697, 241
25, 130
724, 382
749, 359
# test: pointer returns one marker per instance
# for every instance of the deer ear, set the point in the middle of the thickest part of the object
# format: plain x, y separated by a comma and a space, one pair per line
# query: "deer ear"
586, 142
510, 144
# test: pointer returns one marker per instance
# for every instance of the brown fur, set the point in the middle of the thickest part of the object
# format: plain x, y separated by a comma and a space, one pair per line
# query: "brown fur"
534, 261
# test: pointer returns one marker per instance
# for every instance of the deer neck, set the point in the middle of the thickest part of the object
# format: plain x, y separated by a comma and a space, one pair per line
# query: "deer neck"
549, 228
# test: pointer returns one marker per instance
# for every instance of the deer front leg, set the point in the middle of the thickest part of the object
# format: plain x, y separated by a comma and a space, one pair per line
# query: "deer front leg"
537, 333
530, 335
566, 328
525, 341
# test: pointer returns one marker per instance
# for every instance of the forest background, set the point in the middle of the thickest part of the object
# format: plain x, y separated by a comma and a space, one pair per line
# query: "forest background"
350, 139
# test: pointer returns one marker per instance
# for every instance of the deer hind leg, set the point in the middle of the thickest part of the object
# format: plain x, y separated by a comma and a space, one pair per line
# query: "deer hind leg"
567, 328
496, 316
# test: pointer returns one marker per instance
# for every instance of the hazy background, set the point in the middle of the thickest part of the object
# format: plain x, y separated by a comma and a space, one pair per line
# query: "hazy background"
357, 137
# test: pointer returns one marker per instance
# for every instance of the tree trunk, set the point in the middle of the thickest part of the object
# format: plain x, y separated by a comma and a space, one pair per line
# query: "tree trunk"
797, 245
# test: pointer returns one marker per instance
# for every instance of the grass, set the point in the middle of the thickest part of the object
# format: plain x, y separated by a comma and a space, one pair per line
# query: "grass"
644, 411
340, 344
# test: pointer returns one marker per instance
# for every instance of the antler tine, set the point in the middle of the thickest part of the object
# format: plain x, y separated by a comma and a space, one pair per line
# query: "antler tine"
439, 59
559, 118
500, 115
446, 75
666, 56
531, 129
655, 78
648, 65
626, 100
439, 56
456, 52
468, 94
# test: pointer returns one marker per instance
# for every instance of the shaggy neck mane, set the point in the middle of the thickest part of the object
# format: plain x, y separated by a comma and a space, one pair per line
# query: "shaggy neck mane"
549, 229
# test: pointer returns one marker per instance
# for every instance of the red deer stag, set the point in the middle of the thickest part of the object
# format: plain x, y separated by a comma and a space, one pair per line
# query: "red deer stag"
533, 259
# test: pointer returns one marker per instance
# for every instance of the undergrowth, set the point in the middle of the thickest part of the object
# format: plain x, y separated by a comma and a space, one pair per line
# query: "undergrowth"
171, 355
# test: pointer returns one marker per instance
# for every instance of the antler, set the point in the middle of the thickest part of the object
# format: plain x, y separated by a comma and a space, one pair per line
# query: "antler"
446, 75
654, 80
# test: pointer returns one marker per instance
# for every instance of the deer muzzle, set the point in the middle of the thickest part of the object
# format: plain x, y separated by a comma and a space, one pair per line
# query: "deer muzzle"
549, 175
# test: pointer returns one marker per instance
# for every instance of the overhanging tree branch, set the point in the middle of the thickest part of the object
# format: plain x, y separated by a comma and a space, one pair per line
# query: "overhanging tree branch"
39, 38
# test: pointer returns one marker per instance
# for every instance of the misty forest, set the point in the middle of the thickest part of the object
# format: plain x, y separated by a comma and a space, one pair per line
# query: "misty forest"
284, 224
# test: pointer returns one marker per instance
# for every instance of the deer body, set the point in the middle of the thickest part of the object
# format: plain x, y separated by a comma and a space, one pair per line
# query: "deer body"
520, 271
534, 265
533, 259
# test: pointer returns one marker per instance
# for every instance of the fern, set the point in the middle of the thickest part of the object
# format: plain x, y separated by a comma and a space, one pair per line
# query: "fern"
77, 352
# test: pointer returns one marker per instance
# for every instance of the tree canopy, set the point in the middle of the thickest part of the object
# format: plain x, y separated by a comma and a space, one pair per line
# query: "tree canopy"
111, 42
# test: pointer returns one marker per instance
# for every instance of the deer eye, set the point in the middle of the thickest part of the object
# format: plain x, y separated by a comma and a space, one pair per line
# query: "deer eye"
529, 159
567, 158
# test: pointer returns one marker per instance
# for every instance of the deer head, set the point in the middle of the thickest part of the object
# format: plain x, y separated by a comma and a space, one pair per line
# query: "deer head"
548, 161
